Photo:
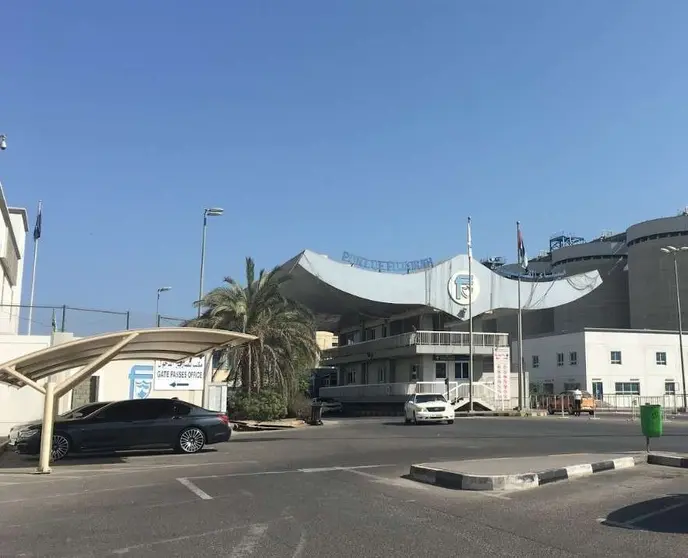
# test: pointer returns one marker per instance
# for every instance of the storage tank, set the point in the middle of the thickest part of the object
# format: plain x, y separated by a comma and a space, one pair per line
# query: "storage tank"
607, 306
651, 283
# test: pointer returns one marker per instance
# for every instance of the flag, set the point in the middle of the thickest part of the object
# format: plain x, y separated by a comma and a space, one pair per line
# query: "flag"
53, 323
469, 239
522, 255
39, 222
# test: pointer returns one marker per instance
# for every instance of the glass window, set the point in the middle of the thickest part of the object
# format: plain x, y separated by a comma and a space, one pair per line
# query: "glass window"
428, 397
440, 370
123, 410
570, 386
536, 361
560, 359
627, 388
660, 358
461, 370
548, 388
381, 375
181, 410
573, 358
615, 357
669, 388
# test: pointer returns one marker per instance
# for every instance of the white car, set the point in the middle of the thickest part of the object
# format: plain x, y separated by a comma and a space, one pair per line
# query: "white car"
428, 407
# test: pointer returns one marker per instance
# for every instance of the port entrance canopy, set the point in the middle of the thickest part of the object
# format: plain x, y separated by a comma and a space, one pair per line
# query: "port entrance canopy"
341, 294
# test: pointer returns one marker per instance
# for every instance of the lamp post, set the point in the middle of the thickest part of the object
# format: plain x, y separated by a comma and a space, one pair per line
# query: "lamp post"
674, 252
207, 212
157, 304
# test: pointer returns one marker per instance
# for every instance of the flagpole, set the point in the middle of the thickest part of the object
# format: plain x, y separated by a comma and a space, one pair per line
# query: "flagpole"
470, 317
521, 387
36, 238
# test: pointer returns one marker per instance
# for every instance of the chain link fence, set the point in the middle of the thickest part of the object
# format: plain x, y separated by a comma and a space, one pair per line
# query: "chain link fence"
80, 321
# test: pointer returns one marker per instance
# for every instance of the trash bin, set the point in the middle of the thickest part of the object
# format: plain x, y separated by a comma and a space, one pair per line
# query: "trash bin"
316, 414
651, 422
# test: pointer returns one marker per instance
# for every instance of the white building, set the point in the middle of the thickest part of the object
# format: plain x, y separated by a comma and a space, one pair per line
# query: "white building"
401, 326
609, 363
13, 229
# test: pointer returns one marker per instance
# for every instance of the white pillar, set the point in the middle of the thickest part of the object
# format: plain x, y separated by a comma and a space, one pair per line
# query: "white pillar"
47, 431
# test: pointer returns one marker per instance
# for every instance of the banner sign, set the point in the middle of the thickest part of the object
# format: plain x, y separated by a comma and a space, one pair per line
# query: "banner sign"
185, 376
502, 374
387, 266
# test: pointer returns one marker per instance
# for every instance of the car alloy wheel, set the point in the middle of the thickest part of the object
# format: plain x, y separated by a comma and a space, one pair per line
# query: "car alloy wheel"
191, 440
60, 447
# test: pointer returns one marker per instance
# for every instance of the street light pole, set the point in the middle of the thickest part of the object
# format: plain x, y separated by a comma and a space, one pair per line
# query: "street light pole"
208, 212
674, 251
157, 304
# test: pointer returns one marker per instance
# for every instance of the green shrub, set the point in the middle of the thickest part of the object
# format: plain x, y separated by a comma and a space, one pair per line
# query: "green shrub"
299, 406
266, 405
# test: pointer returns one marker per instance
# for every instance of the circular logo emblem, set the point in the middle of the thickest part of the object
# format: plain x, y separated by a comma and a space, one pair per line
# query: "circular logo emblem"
463, 288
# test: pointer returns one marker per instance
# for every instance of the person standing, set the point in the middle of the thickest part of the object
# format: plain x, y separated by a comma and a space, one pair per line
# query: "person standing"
577, 401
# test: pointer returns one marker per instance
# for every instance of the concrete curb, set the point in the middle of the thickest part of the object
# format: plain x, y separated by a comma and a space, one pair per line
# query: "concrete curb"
667, 460
460, 481
462, 414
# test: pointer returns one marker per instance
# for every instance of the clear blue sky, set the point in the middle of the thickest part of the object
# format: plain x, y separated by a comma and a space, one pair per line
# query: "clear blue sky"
369, 126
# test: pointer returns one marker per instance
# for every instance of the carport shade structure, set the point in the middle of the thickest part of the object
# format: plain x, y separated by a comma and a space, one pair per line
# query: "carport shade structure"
90, 354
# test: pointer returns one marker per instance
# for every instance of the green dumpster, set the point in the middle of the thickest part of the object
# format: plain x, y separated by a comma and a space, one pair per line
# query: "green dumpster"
651, 422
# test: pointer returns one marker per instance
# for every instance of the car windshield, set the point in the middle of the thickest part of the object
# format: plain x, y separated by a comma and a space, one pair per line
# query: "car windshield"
427, 398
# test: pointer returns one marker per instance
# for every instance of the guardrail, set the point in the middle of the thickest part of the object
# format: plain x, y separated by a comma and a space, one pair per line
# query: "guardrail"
615, 403
431, 338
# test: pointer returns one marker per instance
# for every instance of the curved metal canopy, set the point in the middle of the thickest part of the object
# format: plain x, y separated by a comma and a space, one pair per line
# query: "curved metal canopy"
169, 344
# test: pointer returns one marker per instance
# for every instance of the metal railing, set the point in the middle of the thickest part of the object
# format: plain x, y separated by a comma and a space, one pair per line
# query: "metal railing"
439, 387
431, 338
625, 404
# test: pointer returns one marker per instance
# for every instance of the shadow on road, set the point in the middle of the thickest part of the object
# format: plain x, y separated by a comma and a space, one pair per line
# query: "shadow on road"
668, 514
13, 460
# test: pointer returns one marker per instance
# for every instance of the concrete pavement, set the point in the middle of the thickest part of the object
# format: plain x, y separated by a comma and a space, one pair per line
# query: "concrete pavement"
340, 491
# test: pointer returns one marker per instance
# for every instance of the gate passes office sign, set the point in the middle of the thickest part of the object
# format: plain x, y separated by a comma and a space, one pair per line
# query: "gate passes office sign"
184, 376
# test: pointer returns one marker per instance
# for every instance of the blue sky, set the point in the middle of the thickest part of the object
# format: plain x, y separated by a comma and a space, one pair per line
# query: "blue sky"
374, 127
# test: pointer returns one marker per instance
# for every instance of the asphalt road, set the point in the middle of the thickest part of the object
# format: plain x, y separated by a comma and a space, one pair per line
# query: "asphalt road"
339, 490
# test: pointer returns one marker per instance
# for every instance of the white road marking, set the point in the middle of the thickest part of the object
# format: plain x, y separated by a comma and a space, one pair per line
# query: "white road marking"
80, 493
193, 488
301, 546
248, 544
127, 549
290, 471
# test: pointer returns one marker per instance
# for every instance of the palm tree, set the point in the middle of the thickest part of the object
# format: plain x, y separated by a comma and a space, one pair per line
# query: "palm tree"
285, 330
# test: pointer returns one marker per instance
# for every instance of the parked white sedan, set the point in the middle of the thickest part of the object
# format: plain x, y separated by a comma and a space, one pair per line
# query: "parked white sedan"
428, 407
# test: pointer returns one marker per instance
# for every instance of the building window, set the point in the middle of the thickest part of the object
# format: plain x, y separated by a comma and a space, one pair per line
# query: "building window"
660, 359
440, 370
627, 388
370, 334
461, 370
669, 387
383, 333
351, 376
382, 375
548, 388
573, 358
364, 373
536, 361
570, 386
615, 357
598, 390
560, 359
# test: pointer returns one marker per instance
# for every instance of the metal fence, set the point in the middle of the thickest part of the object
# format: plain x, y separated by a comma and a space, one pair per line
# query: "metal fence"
628, 405
80, 321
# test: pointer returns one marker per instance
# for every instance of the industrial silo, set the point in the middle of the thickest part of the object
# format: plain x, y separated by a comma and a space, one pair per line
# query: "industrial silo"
652, 289
607, 306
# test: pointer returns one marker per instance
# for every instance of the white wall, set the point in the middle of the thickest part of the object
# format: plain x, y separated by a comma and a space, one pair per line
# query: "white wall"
593, 347
548, 369
638, 359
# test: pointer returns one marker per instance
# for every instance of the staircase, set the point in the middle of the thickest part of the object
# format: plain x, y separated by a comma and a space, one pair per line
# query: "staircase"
484, 395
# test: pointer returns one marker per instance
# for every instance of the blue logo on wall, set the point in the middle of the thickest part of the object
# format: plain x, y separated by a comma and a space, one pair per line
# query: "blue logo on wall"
140, 381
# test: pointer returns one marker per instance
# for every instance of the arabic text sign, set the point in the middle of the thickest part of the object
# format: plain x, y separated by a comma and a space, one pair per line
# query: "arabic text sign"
185, 376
